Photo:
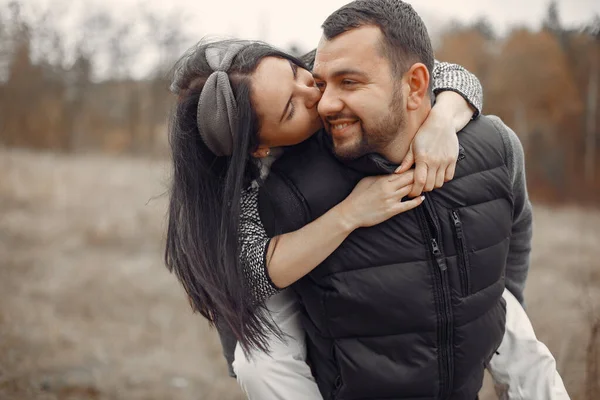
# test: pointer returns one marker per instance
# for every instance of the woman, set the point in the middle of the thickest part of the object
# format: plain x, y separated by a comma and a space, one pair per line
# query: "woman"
222, 124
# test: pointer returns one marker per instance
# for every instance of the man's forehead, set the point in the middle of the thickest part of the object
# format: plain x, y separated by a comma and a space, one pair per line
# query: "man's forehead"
355, 46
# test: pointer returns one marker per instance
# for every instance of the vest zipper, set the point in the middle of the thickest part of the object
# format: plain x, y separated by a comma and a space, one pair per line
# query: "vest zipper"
338, 383
434, 235
463, 258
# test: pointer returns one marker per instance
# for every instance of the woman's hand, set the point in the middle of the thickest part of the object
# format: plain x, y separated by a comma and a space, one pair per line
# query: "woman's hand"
434, 149
378, 198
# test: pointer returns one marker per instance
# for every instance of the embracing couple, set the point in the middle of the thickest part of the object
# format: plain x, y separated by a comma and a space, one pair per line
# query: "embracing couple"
349, 222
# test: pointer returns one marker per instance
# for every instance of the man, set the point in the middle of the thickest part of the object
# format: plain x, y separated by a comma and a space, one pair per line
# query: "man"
411, 308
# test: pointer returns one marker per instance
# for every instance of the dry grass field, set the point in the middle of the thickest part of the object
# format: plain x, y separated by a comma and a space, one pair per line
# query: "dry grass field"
88, 310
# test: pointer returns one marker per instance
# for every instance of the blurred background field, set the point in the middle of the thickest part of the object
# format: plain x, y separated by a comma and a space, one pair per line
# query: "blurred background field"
87, 308
88, 311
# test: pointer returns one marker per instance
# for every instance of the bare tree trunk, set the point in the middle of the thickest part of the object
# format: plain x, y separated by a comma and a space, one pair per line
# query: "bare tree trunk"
592, 110
592, 379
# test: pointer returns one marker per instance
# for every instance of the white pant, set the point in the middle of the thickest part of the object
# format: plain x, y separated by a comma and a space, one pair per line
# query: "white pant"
283, 374
523, 369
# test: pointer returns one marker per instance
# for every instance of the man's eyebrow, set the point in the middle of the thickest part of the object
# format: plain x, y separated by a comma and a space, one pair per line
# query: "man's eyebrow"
290, 100
342, 72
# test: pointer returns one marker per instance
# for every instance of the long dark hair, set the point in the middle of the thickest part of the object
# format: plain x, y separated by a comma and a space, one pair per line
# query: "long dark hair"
202, 246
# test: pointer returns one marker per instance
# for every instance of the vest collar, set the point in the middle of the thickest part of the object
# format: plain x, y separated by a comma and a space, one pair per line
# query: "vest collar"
372, 164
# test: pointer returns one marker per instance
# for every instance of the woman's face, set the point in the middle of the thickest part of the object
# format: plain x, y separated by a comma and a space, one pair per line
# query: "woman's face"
285, 98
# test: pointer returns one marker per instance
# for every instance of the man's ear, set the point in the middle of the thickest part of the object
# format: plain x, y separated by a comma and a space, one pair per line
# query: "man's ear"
417, 78
261, 151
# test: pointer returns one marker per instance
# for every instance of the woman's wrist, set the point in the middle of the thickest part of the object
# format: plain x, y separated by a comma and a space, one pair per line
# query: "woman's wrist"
345, 218
451, 108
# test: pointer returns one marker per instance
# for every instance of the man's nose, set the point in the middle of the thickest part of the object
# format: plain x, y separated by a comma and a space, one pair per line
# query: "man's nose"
330, 103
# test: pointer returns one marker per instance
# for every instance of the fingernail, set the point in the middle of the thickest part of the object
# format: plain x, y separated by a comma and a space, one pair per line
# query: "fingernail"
422, 197
398, 169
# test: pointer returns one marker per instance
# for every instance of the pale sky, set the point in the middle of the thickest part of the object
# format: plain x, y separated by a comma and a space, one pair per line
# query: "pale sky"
282, 22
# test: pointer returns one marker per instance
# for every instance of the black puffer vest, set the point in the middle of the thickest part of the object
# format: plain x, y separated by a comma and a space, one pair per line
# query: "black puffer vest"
411, 308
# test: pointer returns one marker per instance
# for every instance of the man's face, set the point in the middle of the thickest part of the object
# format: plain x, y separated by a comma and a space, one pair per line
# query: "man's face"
362, 106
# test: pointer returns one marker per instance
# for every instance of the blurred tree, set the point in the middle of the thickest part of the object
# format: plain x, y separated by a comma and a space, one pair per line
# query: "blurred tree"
21, 73
470, 46
296, 50
552, 23
170, 42
592, 103
532, 88
78, 84
485, 28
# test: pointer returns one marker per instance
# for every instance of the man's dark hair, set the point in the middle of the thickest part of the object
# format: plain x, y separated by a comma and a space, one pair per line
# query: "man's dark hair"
405, 37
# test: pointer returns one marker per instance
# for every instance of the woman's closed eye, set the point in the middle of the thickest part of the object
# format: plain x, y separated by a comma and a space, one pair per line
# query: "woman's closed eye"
291, 106
292, 111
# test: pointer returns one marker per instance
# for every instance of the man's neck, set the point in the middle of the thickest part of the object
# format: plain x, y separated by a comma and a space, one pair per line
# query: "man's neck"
398, 148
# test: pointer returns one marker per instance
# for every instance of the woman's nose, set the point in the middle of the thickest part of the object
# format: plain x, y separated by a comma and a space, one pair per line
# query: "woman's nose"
310, 91
312, 96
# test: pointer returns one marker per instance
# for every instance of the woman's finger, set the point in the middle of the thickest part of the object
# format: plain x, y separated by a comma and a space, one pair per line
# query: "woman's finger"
403, 192
450, 172
439, 178
420, 179
431, 177
408, 161
404, 206
400, 180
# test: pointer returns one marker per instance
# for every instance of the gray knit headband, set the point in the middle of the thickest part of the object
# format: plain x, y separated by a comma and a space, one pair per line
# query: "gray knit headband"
217, 115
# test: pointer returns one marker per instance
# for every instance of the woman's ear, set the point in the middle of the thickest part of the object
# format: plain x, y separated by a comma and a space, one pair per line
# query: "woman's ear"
261, 152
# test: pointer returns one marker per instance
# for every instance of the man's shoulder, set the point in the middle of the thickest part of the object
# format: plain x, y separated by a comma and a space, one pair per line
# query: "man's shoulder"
484, 135
513, 147
492, 128
489, 122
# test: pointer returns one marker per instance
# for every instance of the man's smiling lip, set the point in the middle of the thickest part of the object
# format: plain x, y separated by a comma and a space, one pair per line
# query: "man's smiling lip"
340, 128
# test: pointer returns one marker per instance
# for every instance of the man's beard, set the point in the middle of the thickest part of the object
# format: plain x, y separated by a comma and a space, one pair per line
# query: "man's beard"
376, 137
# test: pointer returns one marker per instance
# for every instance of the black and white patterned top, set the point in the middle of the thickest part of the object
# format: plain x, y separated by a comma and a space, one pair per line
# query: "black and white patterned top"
254, 241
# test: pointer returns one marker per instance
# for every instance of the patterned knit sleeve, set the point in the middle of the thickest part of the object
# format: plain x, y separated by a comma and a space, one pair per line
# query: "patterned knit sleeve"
453, 77
254, 243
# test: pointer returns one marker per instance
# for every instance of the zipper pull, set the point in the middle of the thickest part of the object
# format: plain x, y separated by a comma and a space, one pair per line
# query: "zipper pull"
438, 255
457, 223
455, 218
435, 247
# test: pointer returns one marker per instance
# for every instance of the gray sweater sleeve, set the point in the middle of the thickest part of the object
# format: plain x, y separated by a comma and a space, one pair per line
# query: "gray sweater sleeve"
517, 263
254, 243
453, 77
